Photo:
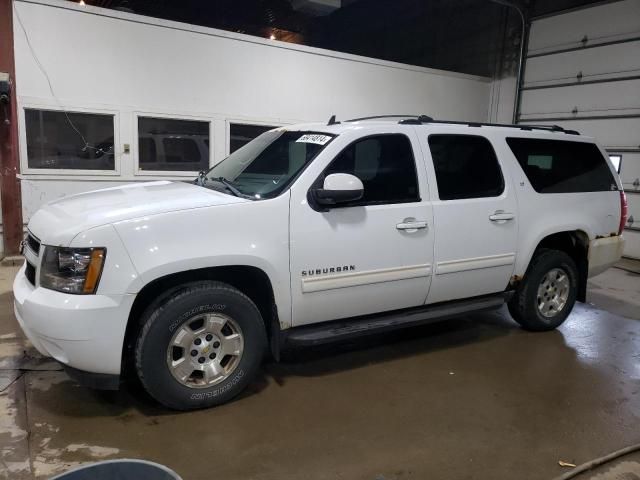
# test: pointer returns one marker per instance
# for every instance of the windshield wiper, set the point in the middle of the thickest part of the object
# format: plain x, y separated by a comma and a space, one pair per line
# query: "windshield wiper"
231, 188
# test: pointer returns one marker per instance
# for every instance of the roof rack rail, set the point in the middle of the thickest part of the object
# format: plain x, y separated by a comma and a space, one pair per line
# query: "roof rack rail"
375, 117
424, 119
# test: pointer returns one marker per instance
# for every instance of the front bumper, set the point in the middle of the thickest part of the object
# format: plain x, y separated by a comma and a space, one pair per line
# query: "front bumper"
84, 332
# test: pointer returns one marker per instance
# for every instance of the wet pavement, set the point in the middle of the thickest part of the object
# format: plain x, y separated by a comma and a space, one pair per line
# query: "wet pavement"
473, 398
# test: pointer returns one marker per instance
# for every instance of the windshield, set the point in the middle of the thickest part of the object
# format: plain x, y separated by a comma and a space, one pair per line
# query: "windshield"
266, 166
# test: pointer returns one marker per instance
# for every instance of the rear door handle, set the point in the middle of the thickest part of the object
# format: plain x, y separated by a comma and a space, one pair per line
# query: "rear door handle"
414, 225
501, 216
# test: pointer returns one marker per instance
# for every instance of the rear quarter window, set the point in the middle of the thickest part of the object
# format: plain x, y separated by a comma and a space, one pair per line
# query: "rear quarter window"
560, 166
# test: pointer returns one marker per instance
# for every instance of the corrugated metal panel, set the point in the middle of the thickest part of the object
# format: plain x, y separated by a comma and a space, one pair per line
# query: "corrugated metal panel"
594, 64
613, 98
605, 23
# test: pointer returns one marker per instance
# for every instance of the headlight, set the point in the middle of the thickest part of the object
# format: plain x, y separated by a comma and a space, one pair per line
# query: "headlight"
72, 270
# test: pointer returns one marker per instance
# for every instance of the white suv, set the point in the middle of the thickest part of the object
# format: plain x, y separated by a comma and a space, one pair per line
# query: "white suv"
314, 233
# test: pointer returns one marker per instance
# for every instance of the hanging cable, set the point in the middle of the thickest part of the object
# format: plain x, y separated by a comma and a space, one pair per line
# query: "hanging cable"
86, 145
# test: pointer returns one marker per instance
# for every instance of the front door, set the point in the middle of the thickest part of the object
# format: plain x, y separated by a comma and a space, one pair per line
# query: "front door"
372, 255
474, 211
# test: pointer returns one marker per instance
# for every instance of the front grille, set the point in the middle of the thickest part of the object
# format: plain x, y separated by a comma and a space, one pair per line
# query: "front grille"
30, 273
34, 244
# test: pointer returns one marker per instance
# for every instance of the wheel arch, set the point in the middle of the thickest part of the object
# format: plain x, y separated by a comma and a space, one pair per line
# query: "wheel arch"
250, 280
574, 243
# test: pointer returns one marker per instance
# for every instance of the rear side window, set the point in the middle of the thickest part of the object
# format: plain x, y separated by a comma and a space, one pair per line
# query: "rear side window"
466, 167
386, 166
559, 166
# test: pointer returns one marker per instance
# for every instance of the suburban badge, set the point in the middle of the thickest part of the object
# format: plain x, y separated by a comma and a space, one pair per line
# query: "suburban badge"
328, 270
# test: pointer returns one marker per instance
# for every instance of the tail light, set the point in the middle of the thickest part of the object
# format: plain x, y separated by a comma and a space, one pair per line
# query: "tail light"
624, 211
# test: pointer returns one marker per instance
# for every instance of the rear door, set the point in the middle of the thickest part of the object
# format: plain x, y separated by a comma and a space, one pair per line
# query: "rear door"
475, 216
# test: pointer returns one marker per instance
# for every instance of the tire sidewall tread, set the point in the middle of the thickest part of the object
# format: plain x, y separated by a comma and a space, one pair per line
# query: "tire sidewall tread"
159, 325
523, 306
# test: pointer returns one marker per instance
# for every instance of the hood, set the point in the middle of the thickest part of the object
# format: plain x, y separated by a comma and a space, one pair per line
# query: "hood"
58, 222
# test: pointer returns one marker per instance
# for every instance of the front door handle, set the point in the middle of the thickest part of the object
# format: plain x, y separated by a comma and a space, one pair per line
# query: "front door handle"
411, 225
501, 216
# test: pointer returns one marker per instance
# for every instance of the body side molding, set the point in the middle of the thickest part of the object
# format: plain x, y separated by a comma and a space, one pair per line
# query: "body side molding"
454, 266
343, 280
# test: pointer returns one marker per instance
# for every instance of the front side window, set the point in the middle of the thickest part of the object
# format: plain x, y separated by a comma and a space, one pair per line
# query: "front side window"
385, 165
55, 140
466, 167
241, 133
166, 144
559, 166
266, 166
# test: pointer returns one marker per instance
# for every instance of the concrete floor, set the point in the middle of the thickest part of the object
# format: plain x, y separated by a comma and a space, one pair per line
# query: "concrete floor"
475, 398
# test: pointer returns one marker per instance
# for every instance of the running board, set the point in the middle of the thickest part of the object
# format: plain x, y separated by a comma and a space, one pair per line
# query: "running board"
345, 329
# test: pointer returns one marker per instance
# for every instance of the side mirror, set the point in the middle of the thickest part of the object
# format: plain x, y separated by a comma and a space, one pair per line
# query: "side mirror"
339, 188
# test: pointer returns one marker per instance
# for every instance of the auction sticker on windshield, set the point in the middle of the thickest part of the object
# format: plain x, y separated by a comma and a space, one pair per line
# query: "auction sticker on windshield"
314, 138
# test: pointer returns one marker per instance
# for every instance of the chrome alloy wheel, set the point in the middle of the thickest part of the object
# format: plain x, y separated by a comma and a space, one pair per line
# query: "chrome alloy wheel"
553, 292
205, 350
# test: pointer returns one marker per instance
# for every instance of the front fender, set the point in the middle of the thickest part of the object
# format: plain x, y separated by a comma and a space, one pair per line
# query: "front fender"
250, 234
119, 275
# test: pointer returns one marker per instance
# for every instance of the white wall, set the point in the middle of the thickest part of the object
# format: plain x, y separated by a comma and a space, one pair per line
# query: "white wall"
107, 61
616, 68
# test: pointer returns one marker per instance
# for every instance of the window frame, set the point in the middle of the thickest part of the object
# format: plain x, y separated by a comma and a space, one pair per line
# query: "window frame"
243, 121
435, 173
67, 172
167, 116
319, 181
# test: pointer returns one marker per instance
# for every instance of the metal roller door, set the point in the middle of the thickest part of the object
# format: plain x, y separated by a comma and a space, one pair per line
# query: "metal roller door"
582, 71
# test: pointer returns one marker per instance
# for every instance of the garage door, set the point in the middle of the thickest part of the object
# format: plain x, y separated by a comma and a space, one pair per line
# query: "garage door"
582, 72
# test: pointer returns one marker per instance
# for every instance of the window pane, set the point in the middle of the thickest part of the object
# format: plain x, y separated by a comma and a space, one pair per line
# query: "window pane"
52, 141
466, 167
166, 144
567, 166
616, 160
241, 134
386, 166
180, 150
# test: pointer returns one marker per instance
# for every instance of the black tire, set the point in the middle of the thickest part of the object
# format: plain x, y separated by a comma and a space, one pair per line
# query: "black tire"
160, 324
524, 304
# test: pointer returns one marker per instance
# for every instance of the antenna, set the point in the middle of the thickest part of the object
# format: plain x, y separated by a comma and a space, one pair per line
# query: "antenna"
332, 120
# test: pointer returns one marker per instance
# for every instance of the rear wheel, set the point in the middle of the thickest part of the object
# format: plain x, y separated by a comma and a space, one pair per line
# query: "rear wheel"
546, 295
201, 347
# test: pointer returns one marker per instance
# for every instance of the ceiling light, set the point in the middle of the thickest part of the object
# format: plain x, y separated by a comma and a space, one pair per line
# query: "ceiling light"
81, 2
272, 37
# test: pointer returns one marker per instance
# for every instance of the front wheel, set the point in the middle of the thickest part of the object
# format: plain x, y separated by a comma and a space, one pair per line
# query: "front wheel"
201, 347
545, 297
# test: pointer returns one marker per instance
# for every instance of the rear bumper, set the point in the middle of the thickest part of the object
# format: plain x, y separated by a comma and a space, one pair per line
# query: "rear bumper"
604, 253
85, 332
